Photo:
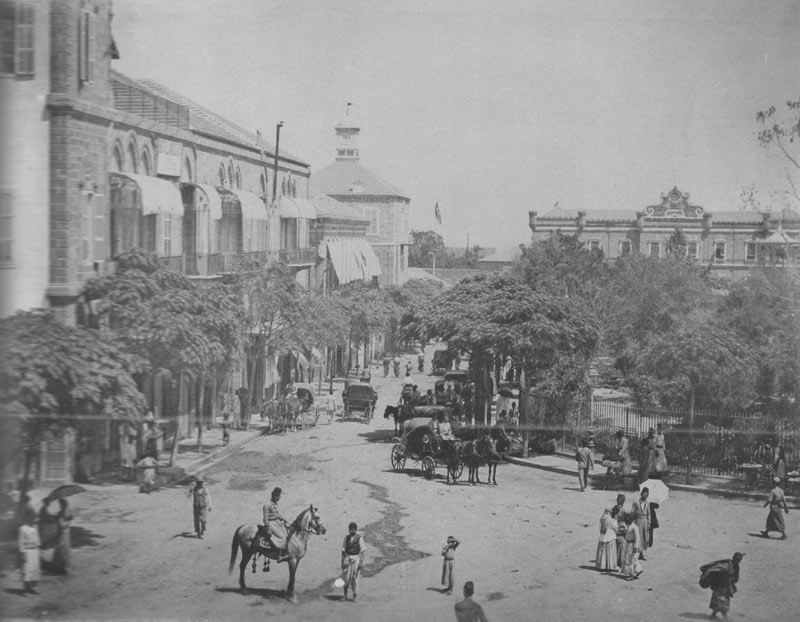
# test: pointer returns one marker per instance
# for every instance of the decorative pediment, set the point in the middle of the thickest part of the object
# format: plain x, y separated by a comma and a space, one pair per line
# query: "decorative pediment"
674, 204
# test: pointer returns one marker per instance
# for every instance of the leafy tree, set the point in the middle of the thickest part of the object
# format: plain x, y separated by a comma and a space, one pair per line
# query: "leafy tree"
424, 245
54, 375
676, 245
782, 129
370, 311
414, 300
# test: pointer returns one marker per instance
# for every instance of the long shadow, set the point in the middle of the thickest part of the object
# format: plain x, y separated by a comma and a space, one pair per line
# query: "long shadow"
760, 535
335, 597
441, 590
186, 534
694, 616
377, 436
264, 592
17, 591
81, 537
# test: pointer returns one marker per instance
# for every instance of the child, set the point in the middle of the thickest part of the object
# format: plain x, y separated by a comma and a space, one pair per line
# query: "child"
449, 555
226, 430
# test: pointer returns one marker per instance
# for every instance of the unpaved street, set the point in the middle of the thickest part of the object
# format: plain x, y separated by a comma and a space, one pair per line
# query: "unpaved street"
528, 544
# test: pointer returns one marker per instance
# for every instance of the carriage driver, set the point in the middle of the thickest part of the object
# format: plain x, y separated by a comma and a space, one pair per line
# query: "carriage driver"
275, 524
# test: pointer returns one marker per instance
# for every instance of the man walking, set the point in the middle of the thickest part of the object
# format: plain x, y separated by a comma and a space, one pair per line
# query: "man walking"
468, 610
352, 559
201, 504
583, 456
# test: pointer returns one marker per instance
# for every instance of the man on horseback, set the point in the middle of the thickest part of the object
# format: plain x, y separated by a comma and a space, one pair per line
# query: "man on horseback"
274, 531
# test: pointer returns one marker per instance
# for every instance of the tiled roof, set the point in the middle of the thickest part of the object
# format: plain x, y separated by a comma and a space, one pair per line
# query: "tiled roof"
204, 120
351, 178
331, 208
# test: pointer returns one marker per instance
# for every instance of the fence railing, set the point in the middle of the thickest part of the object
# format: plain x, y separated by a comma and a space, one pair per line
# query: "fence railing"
717, 444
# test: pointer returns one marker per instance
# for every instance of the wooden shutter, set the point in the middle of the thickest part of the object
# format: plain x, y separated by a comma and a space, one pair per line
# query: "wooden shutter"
6, 227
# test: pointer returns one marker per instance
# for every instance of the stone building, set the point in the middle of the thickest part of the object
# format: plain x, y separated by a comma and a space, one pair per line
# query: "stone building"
729, 241
346, 180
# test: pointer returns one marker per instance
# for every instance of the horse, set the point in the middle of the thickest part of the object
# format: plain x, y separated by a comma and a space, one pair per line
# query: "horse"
473, 460
245, 538
491, 451
452, 451
400, 413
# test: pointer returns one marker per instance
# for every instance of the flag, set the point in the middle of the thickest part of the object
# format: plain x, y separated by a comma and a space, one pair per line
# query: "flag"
437, 213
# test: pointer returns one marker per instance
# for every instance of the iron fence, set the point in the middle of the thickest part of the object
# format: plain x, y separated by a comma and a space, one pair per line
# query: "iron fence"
719, 443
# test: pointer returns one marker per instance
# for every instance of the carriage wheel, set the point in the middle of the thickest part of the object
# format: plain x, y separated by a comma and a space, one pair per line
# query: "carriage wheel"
429, 467
457, 469
398, 458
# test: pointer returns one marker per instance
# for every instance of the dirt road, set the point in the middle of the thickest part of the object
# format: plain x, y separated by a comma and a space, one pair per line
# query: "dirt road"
528, 544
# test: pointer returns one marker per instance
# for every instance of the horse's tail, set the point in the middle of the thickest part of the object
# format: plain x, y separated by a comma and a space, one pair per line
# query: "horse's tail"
234, 548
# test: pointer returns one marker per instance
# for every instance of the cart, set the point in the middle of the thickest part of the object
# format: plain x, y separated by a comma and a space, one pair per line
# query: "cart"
423, 446
359, 400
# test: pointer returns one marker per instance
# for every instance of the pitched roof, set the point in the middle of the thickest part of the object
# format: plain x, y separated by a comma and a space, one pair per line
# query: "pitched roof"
333, 209
348, 177
203, 120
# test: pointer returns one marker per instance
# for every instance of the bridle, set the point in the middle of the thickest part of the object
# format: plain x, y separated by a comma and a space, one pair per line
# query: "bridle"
314, 526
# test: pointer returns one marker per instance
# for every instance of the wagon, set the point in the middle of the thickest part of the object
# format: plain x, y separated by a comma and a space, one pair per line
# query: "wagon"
359, 400
299, 408
421, 445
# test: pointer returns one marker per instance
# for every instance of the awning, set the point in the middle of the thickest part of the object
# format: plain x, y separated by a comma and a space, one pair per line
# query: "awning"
353, 259
157, 196
214, 200
288, 208
368, 258
252, 205
306, 208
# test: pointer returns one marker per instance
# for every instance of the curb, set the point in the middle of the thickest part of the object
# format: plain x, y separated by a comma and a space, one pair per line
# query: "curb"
760, 496
215, 456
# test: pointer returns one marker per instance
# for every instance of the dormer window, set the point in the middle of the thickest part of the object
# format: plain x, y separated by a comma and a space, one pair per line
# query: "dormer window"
86, 46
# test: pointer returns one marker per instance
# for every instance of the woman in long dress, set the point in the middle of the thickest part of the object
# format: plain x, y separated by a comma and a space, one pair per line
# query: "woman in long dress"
623, 453
646, 450
606, 557
28, 544
776, 503
640, 513
630, 555
660, 465
61, 557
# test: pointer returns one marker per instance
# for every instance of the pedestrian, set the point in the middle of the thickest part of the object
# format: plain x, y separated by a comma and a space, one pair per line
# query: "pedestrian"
583, 456
513, 416
779, 462
449, 558
721, 576
148, 465
622, 529
630, 555
201, 506
623, 454
776, 503
652, 524
330, 405
226, 430
468, 610
63, 552
660, 455
646, 449
430, 400
352, 559
606, 556
128, 434
28, 545
640, 512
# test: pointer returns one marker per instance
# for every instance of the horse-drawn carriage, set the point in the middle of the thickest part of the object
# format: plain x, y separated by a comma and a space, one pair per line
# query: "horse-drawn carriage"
422, 444
298, 408
359, 400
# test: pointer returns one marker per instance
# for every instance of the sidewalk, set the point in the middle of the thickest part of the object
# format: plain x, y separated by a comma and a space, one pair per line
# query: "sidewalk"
716, 486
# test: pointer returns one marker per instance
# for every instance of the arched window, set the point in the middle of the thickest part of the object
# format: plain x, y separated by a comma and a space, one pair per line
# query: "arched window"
263, 179
186, 174
117, 160
132, 164
294, 188
283, 186
238, 179
147, 168
222, 175
230, 175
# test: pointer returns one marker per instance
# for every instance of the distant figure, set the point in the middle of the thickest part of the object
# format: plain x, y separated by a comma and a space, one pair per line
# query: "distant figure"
201, 506
226, 430
640, 512
721, 576
430, 399
28, 546
779, 462
623, 454
776, 503
468, 610
449, 557
62, 554
148, 465
583, 457
330, 405
646, 450
127, 449
606, 555
660, 456
630, 555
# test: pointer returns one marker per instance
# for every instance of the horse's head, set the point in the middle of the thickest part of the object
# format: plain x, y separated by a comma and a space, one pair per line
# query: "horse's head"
309, 521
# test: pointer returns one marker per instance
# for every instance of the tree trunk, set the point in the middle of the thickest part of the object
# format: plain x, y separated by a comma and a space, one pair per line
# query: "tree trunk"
201, 394
181, 405
524, 410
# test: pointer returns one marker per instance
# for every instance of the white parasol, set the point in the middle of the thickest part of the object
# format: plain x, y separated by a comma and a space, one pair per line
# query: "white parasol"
659, 491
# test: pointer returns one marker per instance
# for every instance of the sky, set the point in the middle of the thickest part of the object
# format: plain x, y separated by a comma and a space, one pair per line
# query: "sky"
493, 108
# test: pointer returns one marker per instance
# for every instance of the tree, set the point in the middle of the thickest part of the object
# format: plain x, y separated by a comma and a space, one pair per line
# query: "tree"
782, 129
56, 375
676, 245
424, 244
369, 311
414, 300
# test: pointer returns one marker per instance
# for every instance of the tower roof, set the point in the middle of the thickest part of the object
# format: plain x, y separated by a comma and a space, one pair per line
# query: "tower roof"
348, 177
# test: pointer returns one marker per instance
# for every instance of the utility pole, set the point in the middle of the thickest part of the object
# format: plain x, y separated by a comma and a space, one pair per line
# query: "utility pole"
275, 172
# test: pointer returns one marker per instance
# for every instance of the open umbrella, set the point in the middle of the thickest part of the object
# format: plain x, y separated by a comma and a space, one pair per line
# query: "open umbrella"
659, 491
64, 491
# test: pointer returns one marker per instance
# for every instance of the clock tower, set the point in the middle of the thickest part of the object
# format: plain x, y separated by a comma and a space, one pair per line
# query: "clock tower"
347, 141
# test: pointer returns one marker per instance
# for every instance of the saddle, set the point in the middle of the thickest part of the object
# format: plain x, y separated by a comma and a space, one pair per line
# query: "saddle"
263, 545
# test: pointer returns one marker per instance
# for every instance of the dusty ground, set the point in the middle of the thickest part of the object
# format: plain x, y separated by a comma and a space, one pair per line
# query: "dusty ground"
528, 544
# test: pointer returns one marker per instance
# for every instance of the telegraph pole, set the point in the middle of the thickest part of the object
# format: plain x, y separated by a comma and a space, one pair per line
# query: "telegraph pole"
275, 172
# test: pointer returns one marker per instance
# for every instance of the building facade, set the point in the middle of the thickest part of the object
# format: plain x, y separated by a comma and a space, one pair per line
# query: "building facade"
729, 241
347, 181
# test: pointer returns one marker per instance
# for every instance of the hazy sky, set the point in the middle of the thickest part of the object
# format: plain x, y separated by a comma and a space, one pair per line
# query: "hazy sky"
492, 108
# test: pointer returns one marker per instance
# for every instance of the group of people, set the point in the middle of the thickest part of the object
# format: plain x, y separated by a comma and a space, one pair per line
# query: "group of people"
44, 530
626, 534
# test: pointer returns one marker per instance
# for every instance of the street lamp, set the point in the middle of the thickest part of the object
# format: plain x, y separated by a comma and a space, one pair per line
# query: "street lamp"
275, 172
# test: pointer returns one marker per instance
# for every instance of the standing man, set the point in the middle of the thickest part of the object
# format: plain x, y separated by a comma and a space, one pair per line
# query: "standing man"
28, 544
352, 558
330, 405
468, 610
449, 555
201, 503
583, 456
148, 465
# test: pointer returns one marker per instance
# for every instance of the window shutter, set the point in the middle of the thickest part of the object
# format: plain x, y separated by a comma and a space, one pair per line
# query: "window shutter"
6, 227
99, 230
92, 46
8, 34
24, 52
